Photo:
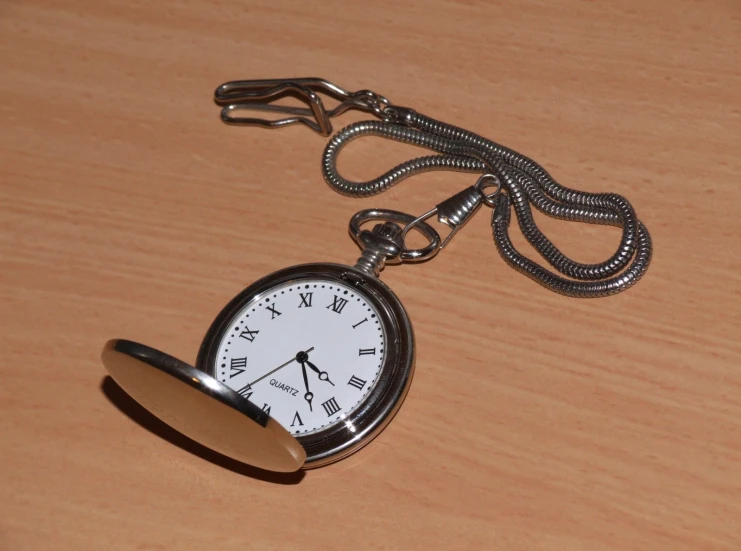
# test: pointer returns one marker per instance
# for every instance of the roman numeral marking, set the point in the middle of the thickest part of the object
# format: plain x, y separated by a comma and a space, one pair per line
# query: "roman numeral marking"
237, 367
297, 417
272, 309
357, 382
305, 300
266, 409
367, 351
354, 326
247, 334
337, 304
245, 392
331, 407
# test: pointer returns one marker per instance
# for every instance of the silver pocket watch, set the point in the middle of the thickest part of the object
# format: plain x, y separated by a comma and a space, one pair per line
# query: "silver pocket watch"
302, 368
309, 364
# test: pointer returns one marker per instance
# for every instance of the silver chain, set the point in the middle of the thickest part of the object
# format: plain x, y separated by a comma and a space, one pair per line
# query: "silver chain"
523, 181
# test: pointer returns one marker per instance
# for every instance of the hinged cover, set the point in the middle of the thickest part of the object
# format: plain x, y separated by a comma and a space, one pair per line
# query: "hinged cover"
201, 407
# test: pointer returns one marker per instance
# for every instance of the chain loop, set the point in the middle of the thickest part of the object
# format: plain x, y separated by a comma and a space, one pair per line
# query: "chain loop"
526, 184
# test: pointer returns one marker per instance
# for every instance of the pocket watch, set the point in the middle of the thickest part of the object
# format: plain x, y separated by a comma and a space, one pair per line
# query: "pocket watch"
310, 363
302, 368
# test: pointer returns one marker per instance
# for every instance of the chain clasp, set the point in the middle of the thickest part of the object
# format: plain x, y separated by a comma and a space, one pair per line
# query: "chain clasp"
458, 209
259, 95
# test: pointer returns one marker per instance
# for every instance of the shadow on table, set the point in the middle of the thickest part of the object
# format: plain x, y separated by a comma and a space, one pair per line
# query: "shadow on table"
127, 405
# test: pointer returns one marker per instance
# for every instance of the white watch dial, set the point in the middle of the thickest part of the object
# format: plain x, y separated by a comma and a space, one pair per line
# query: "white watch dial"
307, 352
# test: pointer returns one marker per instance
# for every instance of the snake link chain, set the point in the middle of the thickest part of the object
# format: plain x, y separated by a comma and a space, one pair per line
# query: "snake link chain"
523, 181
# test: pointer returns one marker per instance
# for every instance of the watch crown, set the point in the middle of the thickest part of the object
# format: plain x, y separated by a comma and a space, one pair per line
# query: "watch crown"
388, 230
381, 245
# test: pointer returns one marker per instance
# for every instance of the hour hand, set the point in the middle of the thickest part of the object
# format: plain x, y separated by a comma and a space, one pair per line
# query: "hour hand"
322, 374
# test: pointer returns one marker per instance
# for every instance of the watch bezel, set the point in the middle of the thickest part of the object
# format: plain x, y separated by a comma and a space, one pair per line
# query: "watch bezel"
376, 410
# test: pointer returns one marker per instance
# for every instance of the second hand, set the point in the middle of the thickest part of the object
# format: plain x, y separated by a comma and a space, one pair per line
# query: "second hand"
279, 367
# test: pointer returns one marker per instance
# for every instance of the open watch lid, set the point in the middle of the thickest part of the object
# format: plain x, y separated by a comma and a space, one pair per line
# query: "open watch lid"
202, 408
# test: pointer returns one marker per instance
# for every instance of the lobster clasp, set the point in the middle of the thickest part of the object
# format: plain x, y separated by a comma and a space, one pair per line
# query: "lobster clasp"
455, 211
260, 95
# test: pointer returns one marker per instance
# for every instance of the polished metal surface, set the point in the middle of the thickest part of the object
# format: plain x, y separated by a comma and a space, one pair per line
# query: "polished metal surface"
524, 184
201, 407
362, 424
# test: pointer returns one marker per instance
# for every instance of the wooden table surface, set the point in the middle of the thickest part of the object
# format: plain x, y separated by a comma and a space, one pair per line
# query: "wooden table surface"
534, 422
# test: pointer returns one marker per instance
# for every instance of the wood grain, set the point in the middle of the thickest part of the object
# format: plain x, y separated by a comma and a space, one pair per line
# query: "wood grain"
535, 422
